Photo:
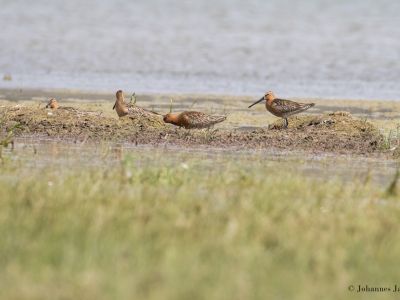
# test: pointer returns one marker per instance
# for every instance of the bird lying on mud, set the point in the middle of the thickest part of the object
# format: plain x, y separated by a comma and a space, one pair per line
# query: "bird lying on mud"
122, 108
282, 108
53, 104
192, 119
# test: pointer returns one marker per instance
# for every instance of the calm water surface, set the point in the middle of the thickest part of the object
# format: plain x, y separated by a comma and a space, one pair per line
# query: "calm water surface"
314, 48
34, 153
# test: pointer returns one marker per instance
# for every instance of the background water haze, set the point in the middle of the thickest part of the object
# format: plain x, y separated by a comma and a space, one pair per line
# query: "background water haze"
316, 48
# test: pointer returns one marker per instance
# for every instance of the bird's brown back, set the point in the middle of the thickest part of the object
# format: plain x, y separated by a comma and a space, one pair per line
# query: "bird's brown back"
193, 119
284, 108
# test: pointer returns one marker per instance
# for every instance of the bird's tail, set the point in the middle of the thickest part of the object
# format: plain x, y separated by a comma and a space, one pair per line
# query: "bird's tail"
218, 119
306, 106
153, 112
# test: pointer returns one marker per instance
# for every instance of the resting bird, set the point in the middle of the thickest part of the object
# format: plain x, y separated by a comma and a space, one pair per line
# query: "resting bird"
53, 104
122, 108
193, 119
282, 108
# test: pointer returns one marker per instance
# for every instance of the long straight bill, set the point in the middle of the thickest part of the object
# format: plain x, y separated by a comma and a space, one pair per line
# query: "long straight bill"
258, 101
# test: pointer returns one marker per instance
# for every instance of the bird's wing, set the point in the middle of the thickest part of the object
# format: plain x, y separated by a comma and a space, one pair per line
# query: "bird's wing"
134, 108
69, 108
285, 106
152, 112
194, 119
197, 119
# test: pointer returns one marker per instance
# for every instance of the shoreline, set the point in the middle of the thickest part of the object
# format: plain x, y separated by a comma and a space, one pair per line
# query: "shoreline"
93, 94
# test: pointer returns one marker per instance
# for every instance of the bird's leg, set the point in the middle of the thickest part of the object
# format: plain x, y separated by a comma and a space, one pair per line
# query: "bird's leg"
286, 123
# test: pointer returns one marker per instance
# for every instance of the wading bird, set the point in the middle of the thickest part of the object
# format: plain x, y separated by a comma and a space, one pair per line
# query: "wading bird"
282, 108
53, 104
122, 108
192, 119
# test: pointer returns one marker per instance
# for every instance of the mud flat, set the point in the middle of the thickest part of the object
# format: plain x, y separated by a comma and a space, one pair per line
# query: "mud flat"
332, 132
336, 126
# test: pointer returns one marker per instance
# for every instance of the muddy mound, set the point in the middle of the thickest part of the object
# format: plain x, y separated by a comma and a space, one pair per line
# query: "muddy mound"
340, 121
336, 132
70, 122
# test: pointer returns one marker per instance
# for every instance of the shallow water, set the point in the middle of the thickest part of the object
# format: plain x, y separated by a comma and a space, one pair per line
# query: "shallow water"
34, 153
316, 48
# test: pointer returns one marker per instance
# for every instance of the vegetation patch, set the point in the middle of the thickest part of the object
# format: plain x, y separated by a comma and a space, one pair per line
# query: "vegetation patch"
198, 229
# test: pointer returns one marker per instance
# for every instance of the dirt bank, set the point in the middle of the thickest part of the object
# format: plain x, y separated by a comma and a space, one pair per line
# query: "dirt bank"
334, 132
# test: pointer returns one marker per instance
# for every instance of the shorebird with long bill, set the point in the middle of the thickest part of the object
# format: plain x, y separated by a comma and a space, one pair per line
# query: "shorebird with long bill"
122, 108
282, 108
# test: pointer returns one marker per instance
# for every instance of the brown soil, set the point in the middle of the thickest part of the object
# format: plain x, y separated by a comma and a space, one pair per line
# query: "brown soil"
337, 132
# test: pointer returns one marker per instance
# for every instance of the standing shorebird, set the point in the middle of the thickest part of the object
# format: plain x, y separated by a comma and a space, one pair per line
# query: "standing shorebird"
53, 104
282, 108
122, 108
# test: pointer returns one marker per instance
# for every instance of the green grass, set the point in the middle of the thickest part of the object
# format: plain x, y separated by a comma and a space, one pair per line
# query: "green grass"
206, 228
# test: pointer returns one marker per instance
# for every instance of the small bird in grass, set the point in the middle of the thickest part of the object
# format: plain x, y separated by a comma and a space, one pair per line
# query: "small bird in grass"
282, 108
53, 104
122, 108
192, 119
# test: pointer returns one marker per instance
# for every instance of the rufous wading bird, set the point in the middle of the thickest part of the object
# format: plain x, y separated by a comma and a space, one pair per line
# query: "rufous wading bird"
282, 108
53, 104
122, 108
192, 119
